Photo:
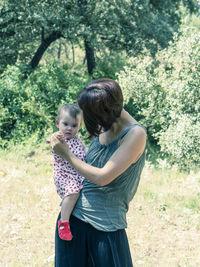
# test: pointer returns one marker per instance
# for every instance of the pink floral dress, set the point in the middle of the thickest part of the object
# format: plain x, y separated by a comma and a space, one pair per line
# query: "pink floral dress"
67, 180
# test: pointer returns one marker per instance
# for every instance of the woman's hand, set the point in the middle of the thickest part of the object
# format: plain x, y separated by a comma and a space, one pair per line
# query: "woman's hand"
59, 145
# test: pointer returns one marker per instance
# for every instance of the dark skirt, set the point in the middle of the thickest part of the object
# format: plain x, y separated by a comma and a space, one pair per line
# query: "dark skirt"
91, 247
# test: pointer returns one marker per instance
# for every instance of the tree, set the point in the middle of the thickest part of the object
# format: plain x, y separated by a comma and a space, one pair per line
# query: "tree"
27, 26
135, 25
30, 24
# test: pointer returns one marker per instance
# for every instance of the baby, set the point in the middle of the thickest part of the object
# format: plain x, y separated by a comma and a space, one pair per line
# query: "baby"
67, 180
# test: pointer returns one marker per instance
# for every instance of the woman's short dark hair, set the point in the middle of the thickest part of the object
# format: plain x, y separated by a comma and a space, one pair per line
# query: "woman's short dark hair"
101, 102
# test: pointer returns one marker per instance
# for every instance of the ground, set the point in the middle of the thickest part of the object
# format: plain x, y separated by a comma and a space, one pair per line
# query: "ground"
163, 218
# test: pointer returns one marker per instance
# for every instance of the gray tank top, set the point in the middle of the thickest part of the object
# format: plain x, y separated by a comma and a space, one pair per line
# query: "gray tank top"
105, 207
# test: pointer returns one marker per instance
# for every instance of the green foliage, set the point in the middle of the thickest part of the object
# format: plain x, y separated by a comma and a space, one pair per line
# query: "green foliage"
108, 65
29, 106
164, 95
181, 142
121, 25
142, 94
181, 139
24, 24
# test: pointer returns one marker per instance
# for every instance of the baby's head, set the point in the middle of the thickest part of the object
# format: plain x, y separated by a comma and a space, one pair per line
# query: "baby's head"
69, 120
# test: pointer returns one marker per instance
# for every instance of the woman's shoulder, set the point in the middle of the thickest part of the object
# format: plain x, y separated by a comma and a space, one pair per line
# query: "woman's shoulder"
133, 129
135, 133
137, 128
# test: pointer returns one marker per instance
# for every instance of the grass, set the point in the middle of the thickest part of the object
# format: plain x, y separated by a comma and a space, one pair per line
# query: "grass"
163, 219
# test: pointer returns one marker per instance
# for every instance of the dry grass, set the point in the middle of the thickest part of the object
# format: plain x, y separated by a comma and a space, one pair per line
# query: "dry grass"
163, 220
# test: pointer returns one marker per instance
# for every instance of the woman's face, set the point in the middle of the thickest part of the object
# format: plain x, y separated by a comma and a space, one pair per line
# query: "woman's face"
68, 125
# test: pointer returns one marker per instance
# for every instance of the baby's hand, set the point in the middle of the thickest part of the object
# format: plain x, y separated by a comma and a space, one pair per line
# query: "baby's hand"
58, 135
59, 145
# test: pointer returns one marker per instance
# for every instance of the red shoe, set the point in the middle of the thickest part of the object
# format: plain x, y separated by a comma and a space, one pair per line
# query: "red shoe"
64, 230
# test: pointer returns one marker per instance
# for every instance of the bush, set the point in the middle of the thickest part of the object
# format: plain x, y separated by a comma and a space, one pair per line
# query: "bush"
182, 78
108, 65
144, 97
29, 106
164, 95
182, 143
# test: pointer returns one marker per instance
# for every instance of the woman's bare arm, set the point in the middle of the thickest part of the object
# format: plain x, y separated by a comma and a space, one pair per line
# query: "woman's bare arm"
129, 152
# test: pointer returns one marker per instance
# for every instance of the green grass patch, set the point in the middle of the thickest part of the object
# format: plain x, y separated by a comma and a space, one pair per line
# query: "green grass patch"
163, 218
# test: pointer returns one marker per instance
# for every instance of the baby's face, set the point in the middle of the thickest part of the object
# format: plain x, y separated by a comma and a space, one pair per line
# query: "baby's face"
68, 125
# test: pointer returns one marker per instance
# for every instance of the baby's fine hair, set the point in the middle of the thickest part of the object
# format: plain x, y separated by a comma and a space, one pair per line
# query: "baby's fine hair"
71, 108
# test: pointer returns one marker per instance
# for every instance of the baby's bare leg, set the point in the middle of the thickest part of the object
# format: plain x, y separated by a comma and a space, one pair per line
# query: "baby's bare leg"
68, 206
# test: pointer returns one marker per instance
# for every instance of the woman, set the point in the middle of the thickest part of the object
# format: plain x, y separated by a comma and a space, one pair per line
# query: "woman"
114, 164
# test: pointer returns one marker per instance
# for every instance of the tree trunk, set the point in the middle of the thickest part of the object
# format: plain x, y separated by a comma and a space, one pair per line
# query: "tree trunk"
59, 50
73, 55
66, 51
43, 47
89, 50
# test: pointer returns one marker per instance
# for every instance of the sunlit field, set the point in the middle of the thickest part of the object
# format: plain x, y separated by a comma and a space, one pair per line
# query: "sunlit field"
163, 219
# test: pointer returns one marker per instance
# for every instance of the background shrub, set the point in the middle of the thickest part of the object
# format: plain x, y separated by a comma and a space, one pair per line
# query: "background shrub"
163, 93
29, 106
182, 143
181, 140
